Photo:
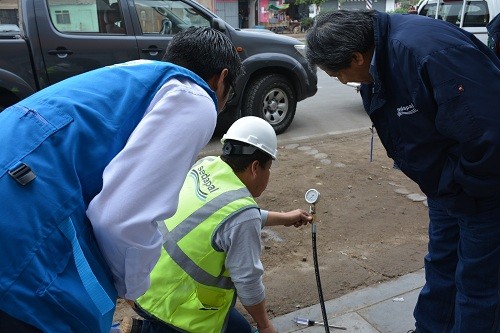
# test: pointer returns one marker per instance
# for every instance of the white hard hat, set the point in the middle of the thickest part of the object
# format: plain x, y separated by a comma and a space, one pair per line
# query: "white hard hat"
254, 131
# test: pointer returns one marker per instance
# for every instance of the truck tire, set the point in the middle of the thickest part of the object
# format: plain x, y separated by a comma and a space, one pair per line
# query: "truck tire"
226, 119
272, 98
7, 99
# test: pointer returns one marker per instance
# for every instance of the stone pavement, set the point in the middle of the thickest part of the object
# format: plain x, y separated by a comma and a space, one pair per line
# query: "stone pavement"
383, 308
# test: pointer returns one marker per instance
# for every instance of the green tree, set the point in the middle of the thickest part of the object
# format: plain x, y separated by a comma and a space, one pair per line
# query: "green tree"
306, 22
310, 2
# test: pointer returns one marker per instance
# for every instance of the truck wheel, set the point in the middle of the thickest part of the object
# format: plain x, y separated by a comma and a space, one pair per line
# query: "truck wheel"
272, 98
6, 100
226, 119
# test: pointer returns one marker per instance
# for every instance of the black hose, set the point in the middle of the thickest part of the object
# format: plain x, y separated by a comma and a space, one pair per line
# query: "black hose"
318, 280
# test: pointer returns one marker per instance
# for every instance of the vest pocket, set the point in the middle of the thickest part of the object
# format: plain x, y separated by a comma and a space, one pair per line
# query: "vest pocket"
201, 311
70, 289
210, 298
454, 118
69, 301
61, 301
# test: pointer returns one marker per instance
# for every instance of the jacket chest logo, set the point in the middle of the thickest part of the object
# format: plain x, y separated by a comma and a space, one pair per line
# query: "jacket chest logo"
406, 110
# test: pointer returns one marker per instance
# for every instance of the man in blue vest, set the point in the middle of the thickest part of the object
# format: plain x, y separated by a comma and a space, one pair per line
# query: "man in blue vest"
212, 245
88, 166
432, 90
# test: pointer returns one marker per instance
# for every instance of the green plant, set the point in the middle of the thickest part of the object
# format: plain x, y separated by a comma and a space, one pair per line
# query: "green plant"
306, 22
309, 2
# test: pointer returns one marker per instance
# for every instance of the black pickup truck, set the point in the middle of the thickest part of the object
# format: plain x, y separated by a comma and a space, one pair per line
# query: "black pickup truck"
62, 38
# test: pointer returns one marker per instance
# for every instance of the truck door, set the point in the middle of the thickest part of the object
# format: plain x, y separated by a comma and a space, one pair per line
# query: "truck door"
78, 36
156, 21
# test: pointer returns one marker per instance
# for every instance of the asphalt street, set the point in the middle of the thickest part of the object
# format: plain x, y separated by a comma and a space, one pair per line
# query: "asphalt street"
335, 108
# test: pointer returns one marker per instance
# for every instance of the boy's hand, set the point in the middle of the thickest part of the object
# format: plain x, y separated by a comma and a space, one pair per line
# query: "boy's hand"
297, 218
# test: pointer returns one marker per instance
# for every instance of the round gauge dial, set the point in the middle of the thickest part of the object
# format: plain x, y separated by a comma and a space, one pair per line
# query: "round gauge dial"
312, 196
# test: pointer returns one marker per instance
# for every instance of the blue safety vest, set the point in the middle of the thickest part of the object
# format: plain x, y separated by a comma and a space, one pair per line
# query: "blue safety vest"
54, 146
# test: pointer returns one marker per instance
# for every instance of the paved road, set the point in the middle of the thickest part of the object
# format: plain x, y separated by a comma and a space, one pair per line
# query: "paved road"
335, 108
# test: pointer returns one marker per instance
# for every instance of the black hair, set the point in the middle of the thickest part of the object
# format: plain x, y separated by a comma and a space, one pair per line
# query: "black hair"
239, 162
206, 52
336, 35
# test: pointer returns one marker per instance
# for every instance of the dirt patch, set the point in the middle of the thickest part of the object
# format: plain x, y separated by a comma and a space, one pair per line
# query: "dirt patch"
371, 222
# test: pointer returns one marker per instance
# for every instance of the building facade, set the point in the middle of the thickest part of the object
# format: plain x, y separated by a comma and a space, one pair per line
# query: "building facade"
247, 13
252, 13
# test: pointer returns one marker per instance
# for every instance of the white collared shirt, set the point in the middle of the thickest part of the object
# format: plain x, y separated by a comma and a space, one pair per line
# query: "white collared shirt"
142, 183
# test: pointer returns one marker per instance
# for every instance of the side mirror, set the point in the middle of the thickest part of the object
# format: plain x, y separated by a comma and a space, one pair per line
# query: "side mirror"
219, 24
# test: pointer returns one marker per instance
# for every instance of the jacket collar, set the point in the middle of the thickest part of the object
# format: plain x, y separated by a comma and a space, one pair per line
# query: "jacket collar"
380, 30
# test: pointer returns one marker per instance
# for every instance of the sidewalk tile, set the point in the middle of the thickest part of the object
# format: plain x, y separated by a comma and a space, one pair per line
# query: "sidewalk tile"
376, 308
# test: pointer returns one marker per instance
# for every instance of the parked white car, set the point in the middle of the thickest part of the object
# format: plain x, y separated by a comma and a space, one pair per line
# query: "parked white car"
470, 15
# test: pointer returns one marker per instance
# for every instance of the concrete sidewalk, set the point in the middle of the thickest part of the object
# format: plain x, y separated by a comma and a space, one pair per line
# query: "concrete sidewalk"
384, 308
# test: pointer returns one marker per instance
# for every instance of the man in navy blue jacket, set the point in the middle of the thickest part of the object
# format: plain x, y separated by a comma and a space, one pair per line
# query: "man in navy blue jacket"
432, 91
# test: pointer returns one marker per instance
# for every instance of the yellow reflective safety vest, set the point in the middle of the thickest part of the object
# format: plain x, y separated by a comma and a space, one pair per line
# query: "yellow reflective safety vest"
190, 288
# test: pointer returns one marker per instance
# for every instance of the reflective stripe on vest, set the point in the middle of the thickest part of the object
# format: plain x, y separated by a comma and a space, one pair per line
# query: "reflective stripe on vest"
170, 239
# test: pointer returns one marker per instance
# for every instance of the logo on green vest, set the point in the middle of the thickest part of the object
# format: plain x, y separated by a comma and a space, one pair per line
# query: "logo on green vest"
202, 180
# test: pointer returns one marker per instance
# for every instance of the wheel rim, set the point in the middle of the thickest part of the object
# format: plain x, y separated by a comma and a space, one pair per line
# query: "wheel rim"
275, 106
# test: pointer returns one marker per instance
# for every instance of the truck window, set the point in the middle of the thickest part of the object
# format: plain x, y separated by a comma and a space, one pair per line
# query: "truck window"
167, 17
476, 12
113, 19
92, 16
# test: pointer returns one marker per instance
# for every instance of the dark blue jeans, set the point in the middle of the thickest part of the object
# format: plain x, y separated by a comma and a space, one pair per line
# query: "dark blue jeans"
236, 324
462, 272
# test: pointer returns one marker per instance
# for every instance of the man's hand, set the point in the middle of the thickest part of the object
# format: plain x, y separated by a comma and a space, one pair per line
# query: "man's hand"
297, 218
269, 329
259, 315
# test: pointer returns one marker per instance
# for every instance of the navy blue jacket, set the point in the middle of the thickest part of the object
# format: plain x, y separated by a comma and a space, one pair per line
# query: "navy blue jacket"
435, 103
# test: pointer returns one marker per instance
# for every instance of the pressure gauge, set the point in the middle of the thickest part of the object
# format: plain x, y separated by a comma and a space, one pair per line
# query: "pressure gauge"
312, 196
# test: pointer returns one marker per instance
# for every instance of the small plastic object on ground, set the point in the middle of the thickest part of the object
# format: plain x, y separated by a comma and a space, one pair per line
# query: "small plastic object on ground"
309, 322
